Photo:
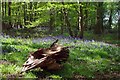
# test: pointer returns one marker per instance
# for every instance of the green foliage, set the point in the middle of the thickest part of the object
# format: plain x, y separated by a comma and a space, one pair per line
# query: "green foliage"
55, 77
32, 14
9, 69
29, 75
89, 57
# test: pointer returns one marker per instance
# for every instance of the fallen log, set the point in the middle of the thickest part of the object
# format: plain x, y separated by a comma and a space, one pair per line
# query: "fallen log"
47, 58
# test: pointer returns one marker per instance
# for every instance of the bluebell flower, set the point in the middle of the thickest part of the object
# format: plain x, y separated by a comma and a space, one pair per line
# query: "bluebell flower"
93, 41
101, 46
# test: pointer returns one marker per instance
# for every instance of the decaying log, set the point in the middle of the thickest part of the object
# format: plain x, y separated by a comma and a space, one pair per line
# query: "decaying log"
47, 58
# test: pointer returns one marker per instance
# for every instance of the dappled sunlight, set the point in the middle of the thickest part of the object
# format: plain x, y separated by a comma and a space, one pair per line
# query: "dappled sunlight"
88, 31
88, 57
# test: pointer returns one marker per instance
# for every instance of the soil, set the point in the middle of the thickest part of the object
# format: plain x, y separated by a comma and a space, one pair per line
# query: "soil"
108, 75
4, 62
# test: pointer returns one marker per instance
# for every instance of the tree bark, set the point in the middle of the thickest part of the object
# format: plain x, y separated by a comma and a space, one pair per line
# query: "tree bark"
9, 14
62, 21
31, 14
35, 14
118, 10
86, 17
119, 21
80, 21
25, 13
67, 21
99, 23
110, 19
3, 11
119, 27
47, 58
52, 19
19, 18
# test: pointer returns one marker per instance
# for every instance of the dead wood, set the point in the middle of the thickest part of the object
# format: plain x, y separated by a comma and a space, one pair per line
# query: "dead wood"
47, 58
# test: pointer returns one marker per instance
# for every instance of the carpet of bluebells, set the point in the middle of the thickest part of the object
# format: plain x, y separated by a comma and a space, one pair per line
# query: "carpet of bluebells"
86, 59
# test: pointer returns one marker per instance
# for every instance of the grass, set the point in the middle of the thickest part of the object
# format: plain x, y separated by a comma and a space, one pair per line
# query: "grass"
88, 58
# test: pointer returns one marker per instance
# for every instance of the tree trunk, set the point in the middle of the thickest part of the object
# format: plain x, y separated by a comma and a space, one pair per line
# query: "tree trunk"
62, 22
19, 20
31, 14
25, 13
118, 10
86, 17
67, 21
110, 19
119, 21
119, 27
80, 21
2, 15
52, 19
9, 14
3, 11
35, 7
99, 23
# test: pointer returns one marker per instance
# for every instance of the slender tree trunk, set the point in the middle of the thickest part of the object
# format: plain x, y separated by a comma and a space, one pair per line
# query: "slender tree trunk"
80, 21
62, 21
86, 17
9, 14
25, 13
67, 21
35, 7
52, 20
119, 20
31, 14
3, 11
102, 17
2, 15
20, 21
119, 26
99, 23
18, 13
110, 19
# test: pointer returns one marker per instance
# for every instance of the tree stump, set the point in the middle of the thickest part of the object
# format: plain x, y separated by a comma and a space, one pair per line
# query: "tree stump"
47, 58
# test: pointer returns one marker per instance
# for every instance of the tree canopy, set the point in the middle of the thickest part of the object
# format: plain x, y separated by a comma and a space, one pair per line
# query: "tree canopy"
73, 17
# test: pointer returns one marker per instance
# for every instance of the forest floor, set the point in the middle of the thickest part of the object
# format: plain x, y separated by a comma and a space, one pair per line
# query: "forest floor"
96, 58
